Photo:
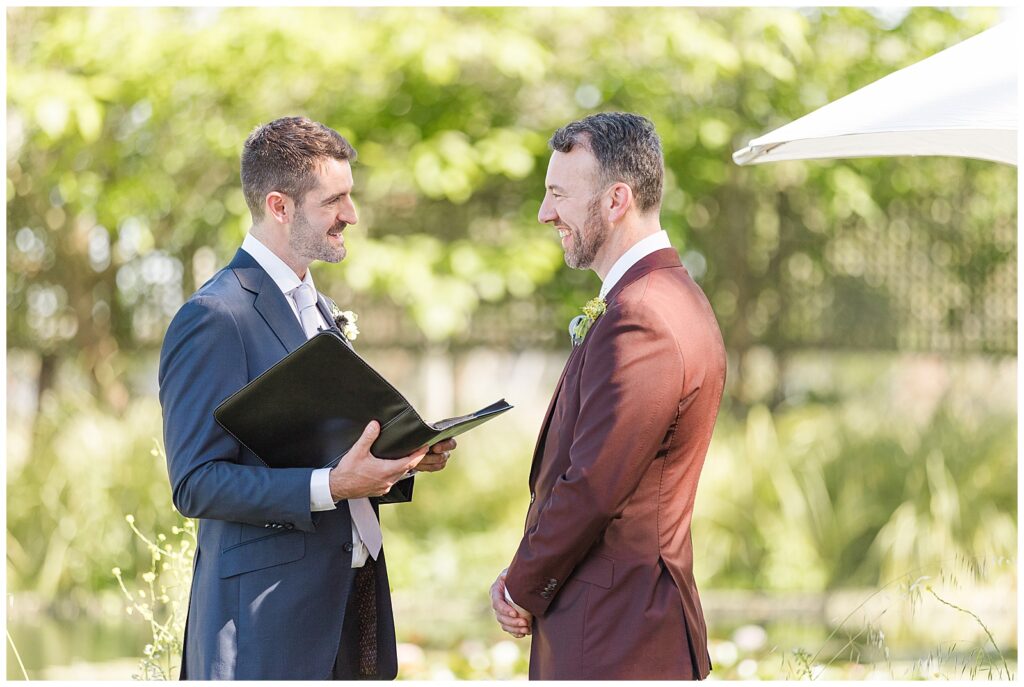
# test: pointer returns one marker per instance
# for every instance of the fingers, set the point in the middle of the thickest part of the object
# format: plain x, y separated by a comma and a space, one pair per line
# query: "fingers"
515, 632
366, 439
505, 613
437, 456
508, 618
516, 626
433, 462
445, 446
511, 618
498, 603
411, 461
381, 473
516, 623
433, 459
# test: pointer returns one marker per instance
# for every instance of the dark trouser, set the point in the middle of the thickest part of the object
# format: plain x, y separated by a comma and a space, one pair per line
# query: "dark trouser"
357, 651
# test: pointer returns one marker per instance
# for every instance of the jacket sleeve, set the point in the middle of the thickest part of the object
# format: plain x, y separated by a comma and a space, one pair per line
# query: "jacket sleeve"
202, 362
630, 385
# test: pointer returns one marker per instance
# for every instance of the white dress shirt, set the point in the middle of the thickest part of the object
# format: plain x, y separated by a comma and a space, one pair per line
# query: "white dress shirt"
319, 484
640, 250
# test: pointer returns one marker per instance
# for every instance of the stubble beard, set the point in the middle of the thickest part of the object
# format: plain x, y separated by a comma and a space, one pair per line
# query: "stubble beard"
587, 243
310, 244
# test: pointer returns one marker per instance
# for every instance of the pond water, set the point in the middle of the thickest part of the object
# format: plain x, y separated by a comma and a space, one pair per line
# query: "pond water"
49, 647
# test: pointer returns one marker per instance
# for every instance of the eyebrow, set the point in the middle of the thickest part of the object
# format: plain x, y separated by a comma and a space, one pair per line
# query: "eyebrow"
555, 187
336, 196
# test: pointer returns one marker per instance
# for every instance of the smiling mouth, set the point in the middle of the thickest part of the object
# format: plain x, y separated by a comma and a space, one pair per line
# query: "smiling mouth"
336, 230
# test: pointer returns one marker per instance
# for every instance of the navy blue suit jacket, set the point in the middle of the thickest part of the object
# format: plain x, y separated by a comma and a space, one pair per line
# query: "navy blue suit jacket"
271, 579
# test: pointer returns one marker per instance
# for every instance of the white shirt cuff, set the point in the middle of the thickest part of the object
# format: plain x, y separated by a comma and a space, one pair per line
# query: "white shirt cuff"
508, 597
320, 490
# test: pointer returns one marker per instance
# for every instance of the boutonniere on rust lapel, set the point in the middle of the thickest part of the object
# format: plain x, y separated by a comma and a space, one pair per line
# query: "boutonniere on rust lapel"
345, 320
581, 324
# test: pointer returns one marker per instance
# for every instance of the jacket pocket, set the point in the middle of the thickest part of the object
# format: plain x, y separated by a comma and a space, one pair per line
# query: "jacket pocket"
596, 570
264, 552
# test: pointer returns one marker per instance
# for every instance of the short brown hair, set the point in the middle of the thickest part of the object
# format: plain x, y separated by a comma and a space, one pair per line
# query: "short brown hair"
284, 155
627, 149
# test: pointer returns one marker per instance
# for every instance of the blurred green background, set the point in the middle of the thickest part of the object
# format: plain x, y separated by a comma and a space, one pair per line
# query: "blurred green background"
857, 513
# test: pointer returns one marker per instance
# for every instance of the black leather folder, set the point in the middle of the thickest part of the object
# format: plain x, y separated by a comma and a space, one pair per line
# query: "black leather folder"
312, 406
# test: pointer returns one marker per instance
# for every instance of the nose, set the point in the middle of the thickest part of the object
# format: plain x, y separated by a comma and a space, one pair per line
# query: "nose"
348, 212
547, 210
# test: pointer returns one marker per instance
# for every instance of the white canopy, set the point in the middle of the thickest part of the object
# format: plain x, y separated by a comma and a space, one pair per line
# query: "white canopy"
961, 101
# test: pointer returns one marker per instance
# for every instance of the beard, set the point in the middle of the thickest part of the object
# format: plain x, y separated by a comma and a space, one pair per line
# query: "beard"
311, 244
586, 243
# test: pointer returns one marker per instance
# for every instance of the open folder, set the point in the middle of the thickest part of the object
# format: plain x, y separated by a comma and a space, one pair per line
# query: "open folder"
311, 407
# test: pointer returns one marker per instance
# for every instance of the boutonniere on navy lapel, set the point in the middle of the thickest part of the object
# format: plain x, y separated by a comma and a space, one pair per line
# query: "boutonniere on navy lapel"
581, 324
345, 320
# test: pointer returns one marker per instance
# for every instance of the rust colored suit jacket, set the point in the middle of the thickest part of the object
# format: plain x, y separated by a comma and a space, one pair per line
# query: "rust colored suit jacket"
606, 562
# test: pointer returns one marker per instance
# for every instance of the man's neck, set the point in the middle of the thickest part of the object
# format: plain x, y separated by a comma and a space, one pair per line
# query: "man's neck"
620, 239
278, 245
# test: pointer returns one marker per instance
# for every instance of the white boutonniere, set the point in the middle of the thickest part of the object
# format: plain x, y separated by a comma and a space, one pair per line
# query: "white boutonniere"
581, 324
345, 320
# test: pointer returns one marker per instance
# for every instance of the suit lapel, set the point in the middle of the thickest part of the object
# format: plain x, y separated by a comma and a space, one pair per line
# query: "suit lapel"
325, 310
538, 450
273, 307
269, 302
665, 257
321, 304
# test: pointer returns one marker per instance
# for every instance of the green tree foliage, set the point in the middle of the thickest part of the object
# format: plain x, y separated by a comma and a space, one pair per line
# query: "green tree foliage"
125, 127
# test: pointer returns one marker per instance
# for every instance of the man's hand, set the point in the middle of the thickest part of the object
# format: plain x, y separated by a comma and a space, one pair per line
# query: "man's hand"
437, 456
517, 621
360, 474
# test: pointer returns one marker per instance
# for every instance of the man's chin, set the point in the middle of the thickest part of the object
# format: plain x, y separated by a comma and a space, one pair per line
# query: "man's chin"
573, 262
333, 255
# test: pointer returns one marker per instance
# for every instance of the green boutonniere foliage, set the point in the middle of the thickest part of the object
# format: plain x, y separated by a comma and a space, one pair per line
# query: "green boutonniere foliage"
594, 308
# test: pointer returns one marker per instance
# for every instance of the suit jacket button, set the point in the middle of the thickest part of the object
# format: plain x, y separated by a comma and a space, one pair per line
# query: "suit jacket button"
546, 594
289, 526
348, 547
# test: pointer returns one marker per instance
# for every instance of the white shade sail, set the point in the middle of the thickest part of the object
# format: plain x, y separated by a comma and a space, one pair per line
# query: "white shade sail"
961, 102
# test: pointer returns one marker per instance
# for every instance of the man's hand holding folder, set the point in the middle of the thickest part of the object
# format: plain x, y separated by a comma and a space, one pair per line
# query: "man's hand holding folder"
359, 473
312, 407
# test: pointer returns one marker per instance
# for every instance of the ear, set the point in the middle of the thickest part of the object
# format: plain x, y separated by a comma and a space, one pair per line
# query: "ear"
621, 196
280, 207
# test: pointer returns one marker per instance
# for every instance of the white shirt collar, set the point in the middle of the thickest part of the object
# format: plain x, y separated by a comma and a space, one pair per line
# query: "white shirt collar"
279, 271
640, 250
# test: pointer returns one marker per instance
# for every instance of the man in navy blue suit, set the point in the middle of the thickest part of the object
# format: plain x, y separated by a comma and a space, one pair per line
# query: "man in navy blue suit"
289, 579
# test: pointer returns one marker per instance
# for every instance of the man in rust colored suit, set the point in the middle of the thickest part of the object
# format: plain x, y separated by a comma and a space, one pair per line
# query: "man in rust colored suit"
603, 577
